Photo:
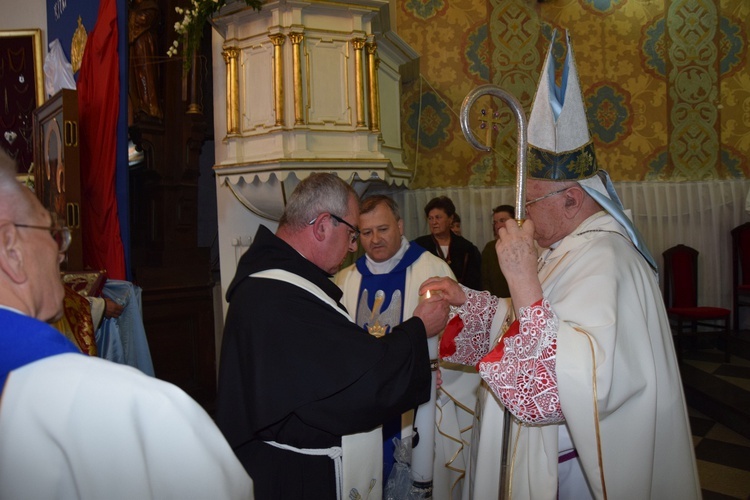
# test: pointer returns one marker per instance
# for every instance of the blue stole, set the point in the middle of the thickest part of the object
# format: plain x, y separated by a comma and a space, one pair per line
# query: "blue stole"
393, 285
24, 340
389, 283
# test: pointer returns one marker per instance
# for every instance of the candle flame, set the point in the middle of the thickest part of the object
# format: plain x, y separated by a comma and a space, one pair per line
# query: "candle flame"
427, 295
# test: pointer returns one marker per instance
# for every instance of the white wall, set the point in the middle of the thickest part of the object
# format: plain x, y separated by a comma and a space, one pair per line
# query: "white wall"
24, 15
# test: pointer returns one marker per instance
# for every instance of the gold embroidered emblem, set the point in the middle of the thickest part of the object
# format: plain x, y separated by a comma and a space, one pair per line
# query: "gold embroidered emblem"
77, 46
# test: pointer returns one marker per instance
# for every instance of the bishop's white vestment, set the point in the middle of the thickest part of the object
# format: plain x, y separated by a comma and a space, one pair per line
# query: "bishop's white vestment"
597, 355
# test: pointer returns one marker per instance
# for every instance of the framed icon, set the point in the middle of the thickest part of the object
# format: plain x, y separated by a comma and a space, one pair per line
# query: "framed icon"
57, 174
21, 91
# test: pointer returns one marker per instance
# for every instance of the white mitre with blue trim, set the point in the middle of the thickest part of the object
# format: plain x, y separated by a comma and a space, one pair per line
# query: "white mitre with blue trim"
560, 146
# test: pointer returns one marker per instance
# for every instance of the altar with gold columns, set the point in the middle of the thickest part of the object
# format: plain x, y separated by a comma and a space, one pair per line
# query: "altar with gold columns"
302, 87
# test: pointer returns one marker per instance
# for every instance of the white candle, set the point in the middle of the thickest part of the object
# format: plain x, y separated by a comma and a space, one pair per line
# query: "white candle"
423, 454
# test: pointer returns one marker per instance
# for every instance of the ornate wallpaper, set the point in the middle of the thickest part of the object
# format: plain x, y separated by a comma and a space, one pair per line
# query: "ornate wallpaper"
666, 83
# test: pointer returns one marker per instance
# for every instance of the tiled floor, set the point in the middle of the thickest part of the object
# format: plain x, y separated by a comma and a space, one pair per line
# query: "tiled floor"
723, 455
723, 458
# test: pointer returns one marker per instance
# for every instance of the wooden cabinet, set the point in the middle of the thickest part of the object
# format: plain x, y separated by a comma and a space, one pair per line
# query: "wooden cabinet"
57, 176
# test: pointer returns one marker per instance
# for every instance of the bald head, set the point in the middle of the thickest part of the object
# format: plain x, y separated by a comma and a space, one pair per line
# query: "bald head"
14, 199
29, 255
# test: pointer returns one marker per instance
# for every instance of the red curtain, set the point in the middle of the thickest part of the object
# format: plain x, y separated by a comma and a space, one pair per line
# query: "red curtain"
98, 102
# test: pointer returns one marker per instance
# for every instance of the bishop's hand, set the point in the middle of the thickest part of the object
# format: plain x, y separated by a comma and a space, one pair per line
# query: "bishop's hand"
447, 287
517, 255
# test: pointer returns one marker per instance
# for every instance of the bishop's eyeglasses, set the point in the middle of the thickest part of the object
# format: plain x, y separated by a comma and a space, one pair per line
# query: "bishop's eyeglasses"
553, 193
60, 233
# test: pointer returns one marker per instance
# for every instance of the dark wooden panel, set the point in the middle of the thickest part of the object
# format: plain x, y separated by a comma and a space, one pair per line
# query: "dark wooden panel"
179, 324
173, 272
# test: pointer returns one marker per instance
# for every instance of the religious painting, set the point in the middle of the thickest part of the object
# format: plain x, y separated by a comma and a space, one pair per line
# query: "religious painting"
57, 179
21, 91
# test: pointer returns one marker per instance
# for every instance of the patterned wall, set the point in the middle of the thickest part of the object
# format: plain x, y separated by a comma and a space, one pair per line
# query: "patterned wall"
666, 83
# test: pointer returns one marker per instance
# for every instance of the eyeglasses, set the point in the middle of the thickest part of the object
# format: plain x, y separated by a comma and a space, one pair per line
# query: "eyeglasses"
553, 193
355, 230
61, 234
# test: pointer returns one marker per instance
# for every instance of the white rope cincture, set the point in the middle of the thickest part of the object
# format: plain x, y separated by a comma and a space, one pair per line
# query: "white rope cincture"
335, 453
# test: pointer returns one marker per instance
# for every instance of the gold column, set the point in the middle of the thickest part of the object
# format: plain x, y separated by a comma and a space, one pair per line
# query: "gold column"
230, 55
296, 39
372, 68
359, 83
278, 75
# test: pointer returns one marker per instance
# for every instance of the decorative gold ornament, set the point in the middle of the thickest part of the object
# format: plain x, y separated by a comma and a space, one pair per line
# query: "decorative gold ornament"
372, 72
230, 55
77, 46
296, 39
278, 75
359, 83
377, 330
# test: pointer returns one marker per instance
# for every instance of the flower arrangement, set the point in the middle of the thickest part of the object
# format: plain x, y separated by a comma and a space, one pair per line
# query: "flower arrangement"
190, 29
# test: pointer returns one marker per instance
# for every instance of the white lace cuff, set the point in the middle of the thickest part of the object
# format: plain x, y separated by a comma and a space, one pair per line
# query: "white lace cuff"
473, 341
523, 376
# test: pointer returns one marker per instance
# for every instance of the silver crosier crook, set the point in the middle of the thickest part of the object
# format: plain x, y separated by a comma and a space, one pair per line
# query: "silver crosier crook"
521, 120
513, 103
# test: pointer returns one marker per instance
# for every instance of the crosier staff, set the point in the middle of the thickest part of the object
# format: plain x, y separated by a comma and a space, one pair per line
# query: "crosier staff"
515, 105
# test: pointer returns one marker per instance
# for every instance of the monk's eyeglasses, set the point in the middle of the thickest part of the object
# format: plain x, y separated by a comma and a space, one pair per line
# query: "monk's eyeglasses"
353, 235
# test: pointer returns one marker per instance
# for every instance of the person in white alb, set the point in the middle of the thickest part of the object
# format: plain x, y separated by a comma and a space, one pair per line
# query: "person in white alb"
382, 288
76, 426
585, 362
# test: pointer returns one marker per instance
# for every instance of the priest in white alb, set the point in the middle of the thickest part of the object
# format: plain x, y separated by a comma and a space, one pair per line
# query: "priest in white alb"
381, 286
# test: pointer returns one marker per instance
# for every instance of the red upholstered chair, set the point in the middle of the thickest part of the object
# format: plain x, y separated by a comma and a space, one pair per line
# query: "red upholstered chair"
681, 298
740, 270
